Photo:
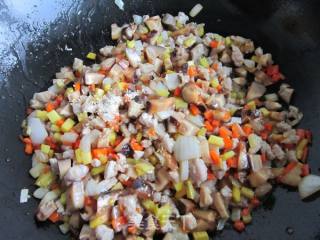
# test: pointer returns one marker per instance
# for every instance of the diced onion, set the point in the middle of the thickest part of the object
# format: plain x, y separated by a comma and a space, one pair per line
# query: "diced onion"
184, 170
69, 137
40, 192
195, 10
309, 185
38, 131
186, 147
24, 195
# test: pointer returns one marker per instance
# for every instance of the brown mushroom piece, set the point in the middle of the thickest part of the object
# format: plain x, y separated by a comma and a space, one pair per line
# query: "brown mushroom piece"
152, 52
154, 23
188, 222
259, 177
263, 189
286, 92
219, 205
255, 90
203, 225
75, 196
169, 20
185, 205
191, 93
162, 179
45, 210
293, 177
207, 215
205, 197
159, 105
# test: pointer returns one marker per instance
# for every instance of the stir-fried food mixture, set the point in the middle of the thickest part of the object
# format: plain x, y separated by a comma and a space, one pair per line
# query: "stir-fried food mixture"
171, 131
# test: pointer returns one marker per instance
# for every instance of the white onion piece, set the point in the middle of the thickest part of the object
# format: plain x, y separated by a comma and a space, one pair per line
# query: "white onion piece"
88, 139
309, 185
105, 185
52, 195
93, 78
137, 19
40, 192
186, 147
103, 232
76, 195
172, 81
196, 120
76, 173
63, 167
38, 131
92, 188
184, 170
195, 10
24, 195
69, 137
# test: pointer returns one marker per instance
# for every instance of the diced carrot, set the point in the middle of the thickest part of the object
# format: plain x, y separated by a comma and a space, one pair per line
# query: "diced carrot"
116, 222
232, 162
132, 229
215, 124
255, 202
76, 144
208, 126
289, 167
194, 109
54, 217
214, 44
224, 132
59, 122
135, 145
28, 149
211, 176
208, 115
177, 92
235, 131
215, 66
247, 129
227, 117
88, 201
268, 127
192, 71
103, 71
215, 158
77, 86
151, 132
245, 212
263, 157
49, 106
239, 225
305, 170
27, 140
228, 144
264, 135
98, 152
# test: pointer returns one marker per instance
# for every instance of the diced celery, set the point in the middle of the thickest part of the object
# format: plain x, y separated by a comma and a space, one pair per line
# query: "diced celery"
200, 30
228, 155
214, 83
68, 91
60, 83
45, 148
247, 192
180, 104
191, 192
118, 186
159, 39
36, 170
143, 168
53, 116
97, 170
131, 44
228, 41
91, 56
63, 198
189, 42
67, 125
162, 92
247, 218
241, 95
57, 137
163, 214
51, 153
42, 115
218, 141
55, 128
251, 105
178, 186
253, 140
106, 87
97, 221
202, 132
234, 94
150, 206
200, 235
99, 93
112, 137
45, 179
265, 112
139, 137
82, 116
83, 157
236, 194
204, 62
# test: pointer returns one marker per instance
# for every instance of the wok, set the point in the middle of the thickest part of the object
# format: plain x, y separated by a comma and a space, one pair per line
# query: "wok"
38, 37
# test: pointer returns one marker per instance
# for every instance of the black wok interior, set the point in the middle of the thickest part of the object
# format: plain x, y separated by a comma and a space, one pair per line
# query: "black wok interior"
36, 38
